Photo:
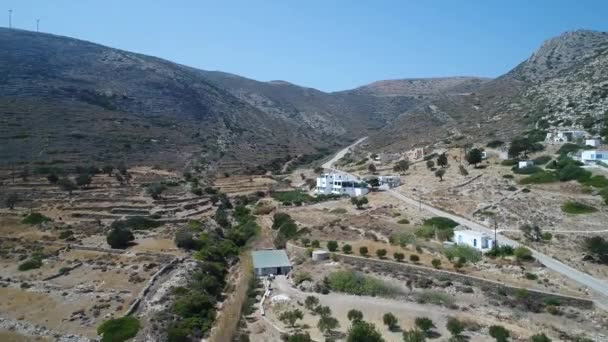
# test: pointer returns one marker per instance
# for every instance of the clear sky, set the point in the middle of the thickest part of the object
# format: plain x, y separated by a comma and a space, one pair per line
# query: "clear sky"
325, 44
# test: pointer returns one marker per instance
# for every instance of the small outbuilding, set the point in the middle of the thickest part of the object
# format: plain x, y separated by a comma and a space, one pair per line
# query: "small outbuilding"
478, 240
320, 255
267, 262
525, 163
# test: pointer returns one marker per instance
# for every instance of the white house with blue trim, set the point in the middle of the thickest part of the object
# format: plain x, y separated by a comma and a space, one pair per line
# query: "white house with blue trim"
594, 156
340, 184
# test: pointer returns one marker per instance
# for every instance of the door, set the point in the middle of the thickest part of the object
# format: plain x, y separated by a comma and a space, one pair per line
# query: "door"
279, 271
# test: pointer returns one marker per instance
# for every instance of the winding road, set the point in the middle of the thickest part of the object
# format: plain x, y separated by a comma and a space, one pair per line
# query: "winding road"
599, 287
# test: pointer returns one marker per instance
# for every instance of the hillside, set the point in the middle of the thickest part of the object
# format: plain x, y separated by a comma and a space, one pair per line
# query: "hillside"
66, 101
421, 86
563, 84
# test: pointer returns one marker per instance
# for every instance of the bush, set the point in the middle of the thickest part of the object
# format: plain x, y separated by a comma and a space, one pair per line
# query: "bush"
573, 172
499, 333
463, 253
434, 297
404, 221
332, 246
301, 276
347, 249
572, 207
597, 181
502, 251
541, 160
495, 143
399, 256
354, 315
155, 189
454, 326
119, 237
118, 329
414, 258
390, 321
338, 211
184, 239
352, 282
509, 162
540, 178
508, 176
363, 250
436, 263
531, 276
35, 218
440, 222
402, 239
381, 253
597, 246
540, 338
569, 148
30, 264
523, 254
528, 170
364, 331
65, 234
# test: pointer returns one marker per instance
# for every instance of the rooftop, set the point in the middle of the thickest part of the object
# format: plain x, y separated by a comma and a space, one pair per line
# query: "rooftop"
270, 258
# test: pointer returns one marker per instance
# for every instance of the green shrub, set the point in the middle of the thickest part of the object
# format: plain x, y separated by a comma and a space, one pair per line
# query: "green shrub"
568, 148
469, 253
540, 178
542, 160
301, 276
404, 221
572, 207
573, 172
30, 264
358, 284
509, 162
508, 176
434, 297
503, 250
338, 211
523, 254
495, 143
414, 258
35, 218
597, 181
531, 276
528, 170
65, 234
118, 329
440, 222
347, 249
402, 239
119, 237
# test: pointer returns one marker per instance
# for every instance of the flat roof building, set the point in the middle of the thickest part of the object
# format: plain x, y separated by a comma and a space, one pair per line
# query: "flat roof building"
267, 262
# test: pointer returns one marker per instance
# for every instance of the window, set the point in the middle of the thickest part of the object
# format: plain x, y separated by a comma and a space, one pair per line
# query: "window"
474, 242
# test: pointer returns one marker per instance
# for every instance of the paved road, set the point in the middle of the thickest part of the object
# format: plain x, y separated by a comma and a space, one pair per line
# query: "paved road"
598, 286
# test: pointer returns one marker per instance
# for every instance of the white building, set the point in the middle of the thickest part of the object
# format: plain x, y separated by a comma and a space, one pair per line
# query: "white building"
560, 136
340, 184
267, 262
525, 163
594, 156
478, 240
596, 142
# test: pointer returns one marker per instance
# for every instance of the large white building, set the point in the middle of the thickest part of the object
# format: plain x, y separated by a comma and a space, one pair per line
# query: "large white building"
594, 156
478, 240
340, 184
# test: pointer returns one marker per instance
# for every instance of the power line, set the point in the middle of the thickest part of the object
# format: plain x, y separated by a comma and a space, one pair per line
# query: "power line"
10, 18
38, 25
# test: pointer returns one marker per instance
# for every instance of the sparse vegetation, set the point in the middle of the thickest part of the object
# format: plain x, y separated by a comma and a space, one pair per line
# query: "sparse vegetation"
358, 284
118, 329
462, 253
363, 332
572, 207
35, 218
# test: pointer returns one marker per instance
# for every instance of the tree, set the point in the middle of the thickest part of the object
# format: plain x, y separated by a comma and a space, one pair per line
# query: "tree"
25, 174
305, 241
347, 249
454, 326
11, 200
155, 189
67, 184
414, 258
83, 180
597, 246
436, 263
374, 182
390, 321
399, 256
442, 160
523, 254
414, 335
119, 237
323, 310
332, 245
327, 324
310, 302
107, 169
354, 316
363, 332
425, 324
430, 164
540, 338
520, 146
371, 168
499, 333
359, 202
52, 178
315, 244
474, 156
221, 217
401, 166
381, 253
184, 239
439, 174
290, 317
363, 250
318, 170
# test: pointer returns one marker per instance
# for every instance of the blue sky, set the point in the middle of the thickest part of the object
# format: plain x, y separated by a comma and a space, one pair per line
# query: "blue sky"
329, 45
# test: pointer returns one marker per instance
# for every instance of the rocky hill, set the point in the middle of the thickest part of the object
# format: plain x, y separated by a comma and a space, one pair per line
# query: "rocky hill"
421, 86
563, 84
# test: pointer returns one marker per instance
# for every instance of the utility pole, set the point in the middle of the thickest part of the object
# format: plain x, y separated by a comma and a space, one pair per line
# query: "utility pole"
38, 25
10, 18
495, 235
